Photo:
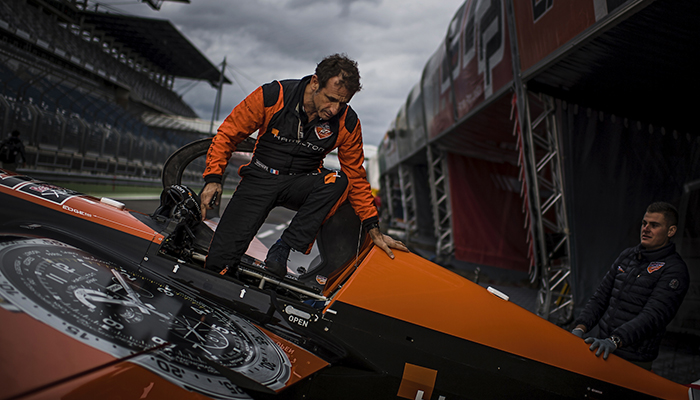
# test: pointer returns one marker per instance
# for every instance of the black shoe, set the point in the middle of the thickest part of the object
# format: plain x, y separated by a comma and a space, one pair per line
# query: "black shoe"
276, 260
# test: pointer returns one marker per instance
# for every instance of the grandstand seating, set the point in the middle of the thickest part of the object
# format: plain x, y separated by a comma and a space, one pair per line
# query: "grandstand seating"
46, 31
69, 119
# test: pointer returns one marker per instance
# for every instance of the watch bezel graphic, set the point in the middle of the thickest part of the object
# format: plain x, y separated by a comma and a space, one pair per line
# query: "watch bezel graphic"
124, 312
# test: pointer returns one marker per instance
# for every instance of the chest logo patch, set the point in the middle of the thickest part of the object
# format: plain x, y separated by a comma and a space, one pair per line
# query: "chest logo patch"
655, 266
323, 131
619, 268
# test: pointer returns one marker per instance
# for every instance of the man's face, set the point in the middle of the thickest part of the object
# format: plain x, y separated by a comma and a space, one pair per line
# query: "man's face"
331, 98
655, 231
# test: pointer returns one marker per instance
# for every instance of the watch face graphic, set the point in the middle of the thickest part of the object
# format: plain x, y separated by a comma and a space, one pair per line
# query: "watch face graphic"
124, 312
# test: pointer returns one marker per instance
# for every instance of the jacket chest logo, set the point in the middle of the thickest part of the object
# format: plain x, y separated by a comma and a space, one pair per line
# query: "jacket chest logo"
323, 131
655, 266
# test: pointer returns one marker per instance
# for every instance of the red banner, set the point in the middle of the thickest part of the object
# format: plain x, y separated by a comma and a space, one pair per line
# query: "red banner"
545, 25
487, 219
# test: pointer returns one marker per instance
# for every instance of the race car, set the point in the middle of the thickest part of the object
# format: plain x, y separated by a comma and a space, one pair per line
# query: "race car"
99, 301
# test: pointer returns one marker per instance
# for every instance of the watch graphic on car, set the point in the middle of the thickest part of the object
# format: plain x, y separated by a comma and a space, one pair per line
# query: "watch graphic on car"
124, 312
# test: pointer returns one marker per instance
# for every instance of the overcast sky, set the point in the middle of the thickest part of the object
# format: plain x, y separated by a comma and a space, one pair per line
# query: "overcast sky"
265, 40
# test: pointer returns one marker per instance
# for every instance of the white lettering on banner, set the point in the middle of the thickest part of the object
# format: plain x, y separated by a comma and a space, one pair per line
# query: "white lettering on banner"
485, 36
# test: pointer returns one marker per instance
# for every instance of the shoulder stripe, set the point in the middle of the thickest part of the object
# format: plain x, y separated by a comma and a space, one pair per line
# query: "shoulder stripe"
271, 93
351, 119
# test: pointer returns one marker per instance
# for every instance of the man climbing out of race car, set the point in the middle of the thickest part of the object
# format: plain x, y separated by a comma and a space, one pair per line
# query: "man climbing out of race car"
298, 122
640, 294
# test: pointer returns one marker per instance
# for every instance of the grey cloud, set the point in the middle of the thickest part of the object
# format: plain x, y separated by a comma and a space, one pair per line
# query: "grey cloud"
276, 39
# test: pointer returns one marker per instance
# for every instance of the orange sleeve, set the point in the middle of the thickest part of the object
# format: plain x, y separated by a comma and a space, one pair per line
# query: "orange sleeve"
247, 117
351, 156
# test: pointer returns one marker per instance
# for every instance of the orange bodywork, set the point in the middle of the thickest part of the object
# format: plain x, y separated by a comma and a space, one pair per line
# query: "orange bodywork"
35, 355
39, 362
303, 363
417, 291
91, 209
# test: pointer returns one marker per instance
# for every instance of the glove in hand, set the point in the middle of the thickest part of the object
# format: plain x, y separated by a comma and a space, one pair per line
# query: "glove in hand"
604, 346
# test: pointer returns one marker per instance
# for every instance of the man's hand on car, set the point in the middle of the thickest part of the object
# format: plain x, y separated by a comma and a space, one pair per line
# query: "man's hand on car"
386, 242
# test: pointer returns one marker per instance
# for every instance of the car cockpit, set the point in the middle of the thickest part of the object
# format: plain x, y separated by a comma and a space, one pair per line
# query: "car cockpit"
186, 239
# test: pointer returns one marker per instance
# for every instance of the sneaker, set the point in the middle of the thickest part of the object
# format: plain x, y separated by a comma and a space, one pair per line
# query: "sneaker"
276, 260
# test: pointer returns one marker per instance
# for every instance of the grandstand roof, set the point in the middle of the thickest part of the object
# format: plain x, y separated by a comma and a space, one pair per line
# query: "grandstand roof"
159, 42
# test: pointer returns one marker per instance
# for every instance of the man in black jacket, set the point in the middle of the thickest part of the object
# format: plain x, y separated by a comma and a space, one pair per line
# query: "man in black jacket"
640, 294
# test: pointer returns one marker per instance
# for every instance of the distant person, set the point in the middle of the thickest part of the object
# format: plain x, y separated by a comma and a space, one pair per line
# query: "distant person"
11, 151
640, 294
299, 122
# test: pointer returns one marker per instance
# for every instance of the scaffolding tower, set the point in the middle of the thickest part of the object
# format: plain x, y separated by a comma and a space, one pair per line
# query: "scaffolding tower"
545, 205
440, 200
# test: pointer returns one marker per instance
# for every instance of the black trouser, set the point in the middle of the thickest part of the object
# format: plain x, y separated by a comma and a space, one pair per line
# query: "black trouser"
312, 195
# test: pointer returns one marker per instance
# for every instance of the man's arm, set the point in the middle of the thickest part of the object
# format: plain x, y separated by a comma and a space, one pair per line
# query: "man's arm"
598, 303
351, 157
246, 118
594, 310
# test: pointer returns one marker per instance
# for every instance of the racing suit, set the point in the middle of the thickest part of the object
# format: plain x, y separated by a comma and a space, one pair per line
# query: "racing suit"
286, 169
638, 297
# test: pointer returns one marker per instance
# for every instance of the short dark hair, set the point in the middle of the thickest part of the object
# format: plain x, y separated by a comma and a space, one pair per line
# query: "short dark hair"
670, 213
339, 65
15, 133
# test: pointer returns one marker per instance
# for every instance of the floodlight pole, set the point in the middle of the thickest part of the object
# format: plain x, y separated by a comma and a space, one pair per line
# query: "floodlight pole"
217, 102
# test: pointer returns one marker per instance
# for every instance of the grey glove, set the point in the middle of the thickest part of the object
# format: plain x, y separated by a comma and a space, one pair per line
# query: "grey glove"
578, 332
605, 346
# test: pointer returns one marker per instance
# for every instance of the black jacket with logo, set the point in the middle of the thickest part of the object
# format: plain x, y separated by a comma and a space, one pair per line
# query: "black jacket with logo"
637, 298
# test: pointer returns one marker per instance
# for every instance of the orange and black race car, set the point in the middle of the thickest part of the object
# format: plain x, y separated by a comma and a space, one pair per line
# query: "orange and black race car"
100, 302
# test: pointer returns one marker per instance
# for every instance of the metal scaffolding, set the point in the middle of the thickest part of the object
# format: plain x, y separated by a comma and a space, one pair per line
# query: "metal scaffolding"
545, 201
440, 200
408, 199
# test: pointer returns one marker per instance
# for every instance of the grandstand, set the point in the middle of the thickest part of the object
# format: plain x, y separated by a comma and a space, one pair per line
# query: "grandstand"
92, 93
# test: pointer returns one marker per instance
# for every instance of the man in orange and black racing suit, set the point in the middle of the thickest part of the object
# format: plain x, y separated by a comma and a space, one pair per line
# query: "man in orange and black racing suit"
298, 122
